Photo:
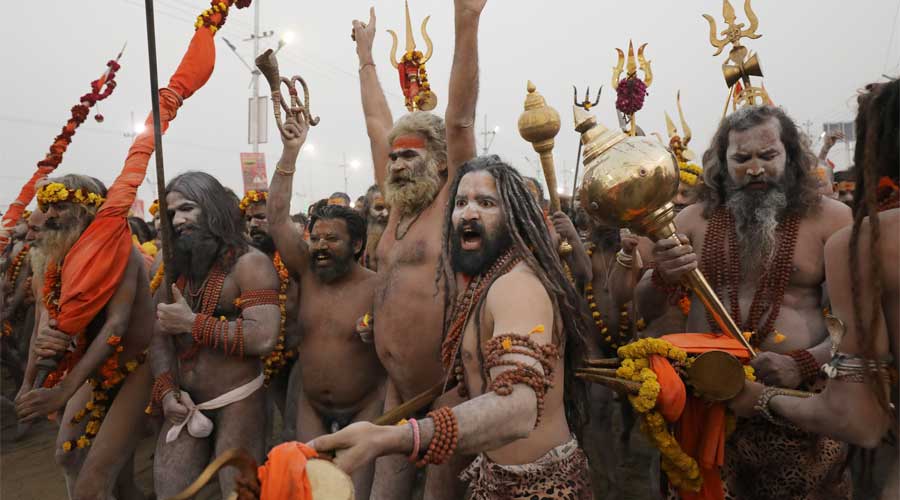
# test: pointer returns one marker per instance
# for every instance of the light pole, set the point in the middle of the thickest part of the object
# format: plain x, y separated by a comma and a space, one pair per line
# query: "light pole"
353, 164
485, 133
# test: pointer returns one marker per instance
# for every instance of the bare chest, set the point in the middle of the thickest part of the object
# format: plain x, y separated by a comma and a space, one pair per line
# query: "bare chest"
333, 310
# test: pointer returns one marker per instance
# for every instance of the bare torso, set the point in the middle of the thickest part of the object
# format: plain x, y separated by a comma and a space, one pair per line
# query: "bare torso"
553, 429
338, 370
210, 372
602, 262
801, 318
409, 308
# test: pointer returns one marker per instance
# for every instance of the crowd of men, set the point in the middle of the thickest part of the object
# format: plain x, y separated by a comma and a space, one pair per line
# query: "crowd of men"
448, 277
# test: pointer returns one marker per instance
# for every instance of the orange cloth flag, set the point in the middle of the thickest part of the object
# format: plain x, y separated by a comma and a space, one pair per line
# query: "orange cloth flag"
17, 207
283, 476
87, 288
700, 430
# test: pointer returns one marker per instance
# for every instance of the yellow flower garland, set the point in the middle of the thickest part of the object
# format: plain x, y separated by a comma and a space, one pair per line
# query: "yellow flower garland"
689, 173
252, 196
56, 192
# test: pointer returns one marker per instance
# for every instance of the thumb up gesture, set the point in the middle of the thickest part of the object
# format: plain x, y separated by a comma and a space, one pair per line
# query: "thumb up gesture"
177, 317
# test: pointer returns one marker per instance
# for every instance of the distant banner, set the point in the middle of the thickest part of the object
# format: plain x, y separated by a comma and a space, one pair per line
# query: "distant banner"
137, 208
253, 169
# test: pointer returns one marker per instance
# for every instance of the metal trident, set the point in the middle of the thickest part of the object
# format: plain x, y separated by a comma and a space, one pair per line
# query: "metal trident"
411, 41
586, 105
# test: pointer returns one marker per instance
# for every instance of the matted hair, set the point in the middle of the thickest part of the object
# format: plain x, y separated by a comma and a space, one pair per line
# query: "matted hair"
428, 125
801, 186
527, 228
877, 155
219, 207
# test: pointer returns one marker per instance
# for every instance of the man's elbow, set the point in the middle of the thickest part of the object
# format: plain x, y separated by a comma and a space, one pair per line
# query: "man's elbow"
857, 429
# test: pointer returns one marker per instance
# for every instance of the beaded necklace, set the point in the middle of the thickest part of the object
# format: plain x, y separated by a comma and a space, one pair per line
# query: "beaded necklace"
462, 309
624, 334
209, 294
721, 264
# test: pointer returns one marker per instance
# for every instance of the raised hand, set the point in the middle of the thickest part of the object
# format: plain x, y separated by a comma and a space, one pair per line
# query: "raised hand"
295, 129
470, 6
364, 35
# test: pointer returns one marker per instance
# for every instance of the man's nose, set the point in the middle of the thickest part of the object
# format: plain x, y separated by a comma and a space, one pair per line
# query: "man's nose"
755, 169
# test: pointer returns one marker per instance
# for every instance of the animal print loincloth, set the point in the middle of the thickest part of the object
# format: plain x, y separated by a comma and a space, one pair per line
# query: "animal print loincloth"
767, 461
562, 473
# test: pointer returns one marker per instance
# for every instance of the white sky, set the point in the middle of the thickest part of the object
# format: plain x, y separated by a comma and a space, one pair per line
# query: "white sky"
815, 55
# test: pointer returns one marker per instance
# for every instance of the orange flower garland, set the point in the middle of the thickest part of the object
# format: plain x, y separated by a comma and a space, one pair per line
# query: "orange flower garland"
52, 288
157, 278
278, 358
252, 196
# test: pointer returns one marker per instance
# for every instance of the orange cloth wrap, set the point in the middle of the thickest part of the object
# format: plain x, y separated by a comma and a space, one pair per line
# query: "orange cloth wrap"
86, 288
700, 430
672, 393
283, 476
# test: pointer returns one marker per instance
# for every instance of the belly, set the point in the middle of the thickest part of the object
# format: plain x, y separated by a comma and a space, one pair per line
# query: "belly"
408, 327
210, 374
338, 372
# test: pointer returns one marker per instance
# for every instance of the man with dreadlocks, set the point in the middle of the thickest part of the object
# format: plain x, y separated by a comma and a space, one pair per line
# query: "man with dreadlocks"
858, 403
207, 347
413, 159
16, 301
513, 331
279, 362
99, 380
340, 377
761, 233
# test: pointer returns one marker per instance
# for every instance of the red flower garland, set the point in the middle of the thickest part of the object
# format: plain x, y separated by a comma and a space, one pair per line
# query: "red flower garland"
630, 95
101, 88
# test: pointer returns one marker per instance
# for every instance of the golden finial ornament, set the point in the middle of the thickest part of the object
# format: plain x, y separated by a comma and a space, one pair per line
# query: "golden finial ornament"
631, 90
679, 142
629, 181
539, 124
413, 78
742, 65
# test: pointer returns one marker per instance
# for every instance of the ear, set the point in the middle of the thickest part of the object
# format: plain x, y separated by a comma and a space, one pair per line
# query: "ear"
357, 246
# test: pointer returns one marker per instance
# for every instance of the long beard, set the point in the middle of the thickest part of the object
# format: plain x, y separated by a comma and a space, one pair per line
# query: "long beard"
340, 266
756, 216
195, 253
410, 193
55, 245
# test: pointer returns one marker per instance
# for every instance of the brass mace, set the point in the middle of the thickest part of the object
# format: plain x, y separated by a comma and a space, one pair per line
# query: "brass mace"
539, 124
630, 181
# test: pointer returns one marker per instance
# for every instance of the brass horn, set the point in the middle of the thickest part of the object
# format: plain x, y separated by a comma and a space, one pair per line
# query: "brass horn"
268, 66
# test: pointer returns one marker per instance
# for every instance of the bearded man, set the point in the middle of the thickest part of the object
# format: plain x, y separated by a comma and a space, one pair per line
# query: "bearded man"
413, 159
279, 362
208, 344
376, 212
340, 199
761, 231
844, 185
513, 331
858, 403
340, 376
100, 381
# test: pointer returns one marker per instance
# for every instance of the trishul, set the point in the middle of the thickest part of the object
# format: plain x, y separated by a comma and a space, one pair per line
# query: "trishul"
413, 79
586, 104
743, 65
679, 143
631, 90
632, 66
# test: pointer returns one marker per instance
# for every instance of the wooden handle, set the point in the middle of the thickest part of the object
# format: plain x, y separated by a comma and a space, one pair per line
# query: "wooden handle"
411, 407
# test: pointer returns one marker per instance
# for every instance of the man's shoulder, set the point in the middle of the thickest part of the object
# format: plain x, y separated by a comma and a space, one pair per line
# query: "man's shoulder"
520, 280
252, 259
691, 217
829, 217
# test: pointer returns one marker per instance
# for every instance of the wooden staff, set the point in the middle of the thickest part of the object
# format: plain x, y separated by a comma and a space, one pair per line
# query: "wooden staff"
411, 407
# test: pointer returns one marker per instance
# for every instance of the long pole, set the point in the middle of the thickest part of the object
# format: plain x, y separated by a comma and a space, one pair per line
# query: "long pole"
165, 225
575, 182
256, 74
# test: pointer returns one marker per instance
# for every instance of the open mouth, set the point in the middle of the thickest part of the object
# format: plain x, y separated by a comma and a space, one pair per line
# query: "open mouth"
470, 239
322, 259
758, 185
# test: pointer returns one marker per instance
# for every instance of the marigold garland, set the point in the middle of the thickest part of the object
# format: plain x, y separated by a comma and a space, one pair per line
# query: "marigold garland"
251, 197
56, 192
158, 278
689, 173
278, 358
154, 208
51, 292
205, 19
103, 391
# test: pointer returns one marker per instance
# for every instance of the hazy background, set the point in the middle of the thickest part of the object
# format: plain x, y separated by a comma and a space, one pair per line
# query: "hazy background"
815, 55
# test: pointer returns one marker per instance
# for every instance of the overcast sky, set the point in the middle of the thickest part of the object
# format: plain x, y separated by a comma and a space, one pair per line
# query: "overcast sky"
815, 54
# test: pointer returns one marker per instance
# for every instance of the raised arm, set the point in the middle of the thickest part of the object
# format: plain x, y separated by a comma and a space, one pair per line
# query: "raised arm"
460, 115
288, 241
375, 107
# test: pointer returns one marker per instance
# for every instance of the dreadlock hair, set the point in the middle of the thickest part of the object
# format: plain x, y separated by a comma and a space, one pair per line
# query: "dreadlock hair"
220, 212
524, 221
356, 225
877, 155
802, 191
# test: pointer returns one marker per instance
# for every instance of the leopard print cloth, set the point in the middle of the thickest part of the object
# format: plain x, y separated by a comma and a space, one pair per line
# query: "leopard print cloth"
561, 474
764, 461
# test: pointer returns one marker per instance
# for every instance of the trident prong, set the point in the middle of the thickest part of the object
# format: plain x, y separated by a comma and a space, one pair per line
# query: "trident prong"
733, 32
618, 68
586, 104
410, 39
684, 126
645, 66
